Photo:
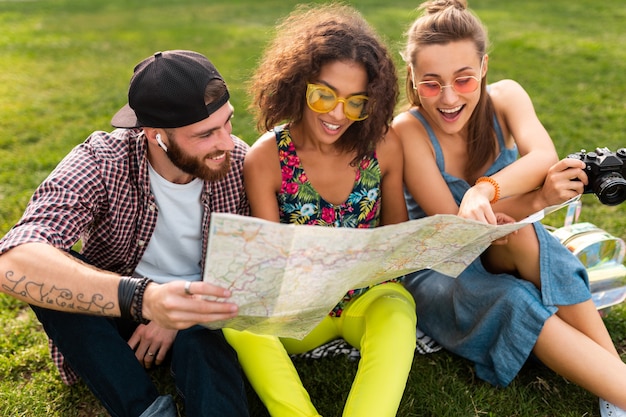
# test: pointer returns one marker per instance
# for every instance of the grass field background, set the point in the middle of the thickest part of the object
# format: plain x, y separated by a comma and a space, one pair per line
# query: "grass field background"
64, 71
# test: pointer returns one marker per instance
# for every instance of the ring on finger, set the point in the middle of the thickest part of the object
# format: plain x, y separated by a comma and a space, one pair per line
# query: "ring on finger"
188, 288
150, 354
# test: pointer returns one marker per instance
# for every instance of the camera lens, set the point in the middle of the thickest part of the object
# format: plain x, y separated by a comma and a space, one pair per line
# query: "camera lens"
610, 189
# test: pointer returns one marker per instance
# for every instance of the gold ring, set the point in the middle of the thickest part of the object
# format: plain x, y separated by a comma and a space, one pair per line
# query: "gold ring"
150, 354
188, 288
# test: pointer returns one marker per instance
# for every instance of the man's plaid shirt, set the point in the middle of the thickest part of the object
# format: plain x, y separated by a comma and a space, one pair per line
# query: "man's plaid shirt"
100, 194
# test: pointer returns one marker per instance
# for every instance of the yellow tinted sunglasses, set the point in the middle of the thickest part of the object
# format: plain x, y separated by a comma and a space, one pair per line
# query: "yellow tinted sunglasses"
322, 99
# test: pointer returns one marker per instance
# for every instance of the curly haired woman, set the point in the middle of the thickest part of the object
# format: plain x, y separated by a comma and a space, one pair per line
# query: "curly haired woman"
333, 163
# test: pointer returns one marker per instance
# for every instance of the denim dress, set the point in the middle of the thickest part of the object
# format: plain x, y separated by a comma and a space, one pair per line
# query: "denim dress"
491, 319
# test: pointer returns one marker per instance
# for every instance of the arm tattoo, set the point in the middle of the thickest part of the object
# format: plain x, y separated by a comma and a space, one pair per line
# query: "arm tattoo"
55, 298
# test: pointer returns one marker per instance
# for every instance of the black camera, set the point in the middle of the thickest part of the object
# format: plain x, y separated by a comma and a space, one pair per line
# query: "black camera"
606, 171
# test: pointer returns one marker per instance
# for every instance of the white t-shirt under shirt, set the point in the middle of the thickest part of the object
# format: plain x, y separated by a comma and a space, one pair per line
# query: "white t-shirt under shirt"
175, 249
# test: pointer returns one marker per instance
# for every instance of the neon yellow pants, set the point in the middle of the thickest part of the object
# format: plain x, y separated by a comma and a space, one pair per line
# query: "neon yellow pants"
380, 323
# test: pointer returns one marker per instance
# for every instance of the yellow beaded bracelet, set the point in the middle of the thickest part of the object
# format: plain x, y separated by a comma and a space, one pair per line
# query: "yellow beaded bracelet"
495, 185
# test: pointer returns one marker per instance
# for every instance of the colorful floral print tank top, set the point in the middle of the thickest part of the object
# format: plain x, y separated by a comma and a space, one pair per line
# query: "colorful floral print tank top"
300, 203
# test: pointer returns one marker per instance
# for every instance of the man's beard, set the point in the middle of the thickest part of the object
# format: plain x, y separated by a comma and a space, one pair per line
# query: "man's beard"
196, 166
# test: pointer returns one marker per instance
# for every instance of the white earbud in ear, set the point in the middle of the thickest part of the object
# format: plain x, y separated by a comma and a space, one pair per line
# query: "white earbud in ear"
160, 142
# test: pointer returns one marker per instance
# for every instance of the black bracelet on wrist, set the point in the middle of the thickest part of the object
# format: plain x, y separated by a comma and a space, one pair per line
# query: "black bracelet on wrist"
130, 298
137, 306
125, 292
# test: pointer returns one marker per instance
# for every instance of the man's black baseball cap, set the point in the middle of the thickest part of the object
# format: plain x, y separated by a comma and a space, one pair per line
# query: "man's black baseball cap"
167, 91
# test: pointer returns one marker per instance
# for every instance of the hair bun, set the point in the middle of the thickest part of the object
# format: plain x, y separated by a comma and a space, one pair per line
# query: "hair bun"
436, 6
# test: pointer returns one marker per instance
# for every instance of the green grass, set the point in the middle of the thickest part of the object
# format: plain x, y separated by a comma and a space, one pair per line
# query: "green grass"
64, 71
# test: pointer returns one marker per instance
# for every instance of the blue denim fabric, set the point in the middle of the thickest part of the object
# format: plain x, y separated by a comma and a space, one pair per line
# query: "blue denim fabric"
163, 406
207, 373
494, 319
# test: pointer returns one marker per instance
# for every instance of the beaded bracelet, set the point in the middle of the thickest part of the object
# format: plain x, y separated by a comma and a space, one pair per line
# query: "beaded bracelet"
495, 185
130, 298
136, 311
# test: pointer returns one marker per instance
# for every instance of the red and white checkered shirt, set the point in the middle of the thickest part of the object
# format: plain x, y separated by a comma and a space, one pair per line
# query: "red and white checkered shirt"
100, 194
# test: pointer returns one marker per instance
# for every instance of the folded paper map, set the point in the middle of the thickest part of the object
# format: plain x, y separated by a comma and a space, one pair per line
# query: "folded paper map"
286, 278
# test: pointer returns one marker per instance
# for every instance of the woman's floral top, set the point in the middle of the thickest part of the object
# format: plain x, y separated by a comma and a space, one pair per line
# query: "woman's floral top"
300, 203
